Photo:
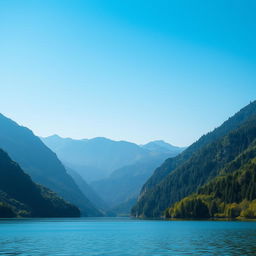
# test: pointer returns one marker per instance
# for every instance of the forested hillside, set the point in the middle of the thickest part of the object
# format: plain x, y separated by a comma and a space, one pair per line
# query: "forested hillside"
231, 194
170, 164
181, 176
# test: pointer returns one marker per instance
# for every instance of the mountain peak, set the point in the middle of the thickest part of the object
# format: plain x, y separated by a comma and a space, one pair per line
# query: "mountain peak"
161, 146
55, 136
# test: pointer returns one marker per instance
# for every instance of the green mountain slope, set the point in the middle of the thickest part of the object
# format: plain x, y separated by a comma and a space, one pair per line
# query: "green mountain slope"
182, 175
41, 164
20, 196
170, 164
231, 194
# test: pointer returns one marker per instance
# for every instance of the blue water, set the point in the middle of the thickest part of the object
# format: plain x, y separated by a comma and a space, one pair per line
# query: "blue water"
120, 236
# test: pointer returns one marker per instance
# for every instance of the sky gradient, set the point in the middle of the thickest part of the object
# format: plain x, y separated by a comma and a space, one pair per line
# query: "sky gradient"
126, 70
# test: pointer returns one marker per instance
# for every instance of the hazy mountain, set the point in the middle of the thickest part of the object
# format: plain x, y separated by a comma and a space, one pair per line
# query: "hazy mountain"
20, 196
181, 175
88, 173
41, 163
124, 208
97, 158
161, 146
87, 190
115, 169
125, 183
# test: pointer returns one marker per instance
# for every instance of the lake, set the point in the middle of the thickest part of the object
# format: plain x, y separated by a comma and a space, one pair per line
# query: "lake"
124, 236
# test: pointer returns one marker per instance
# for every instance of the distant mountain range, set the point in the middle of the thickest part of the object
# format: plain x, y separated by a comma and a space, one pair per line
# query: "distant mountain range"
161, 146
41, 164
97, 158
94, 158
207, 161
88, 191
125, 183
115, 170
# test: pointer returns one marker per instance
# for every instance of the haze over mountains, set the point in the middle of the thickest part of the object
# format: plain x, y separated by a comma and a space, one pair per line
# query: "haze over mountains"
161, 146
214, 177
97, 158
124, 184
116, 170
88, 191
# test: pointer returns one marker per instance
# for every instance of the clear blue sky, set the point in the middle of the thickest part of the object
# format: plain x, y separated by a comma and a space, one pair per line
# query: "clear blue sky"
136, 70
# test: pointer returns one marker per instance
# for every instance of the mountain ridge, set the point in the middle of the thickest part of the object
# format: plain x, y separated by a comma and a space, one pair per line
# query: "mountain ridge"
97, 158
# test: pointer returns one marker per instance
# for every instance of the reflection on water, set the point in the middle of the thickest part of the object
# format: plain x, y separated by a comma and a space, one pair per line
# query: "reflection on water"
120, 236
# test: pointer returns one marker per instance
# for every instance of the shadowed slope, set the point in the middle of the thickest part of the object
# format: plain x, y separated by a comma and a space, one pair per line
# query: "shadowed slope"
41, 163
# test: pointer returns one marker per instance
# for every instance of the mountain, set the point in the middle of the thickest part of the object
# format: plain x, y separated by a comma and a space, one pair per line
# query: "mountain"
21, 197
232, 194
125, 183
87, 190
97, 158
123, 209
41, 164
179, 176
162, 147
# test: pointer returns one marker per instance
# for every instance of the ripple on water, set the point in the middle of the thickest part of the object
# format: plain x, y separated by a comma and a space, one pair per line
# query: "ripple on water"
120, 236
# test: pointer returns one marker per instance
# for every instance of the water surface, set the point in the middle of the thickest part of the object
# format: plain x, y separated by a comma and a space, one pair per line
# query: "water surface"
123, 236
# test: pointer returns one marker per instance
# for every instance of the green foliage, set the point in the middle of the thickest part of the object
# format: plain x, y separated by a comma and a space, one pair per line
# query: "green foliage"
198, 206
231, 195
190, 207
234, 187
6, 211
232, 210
249, 211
